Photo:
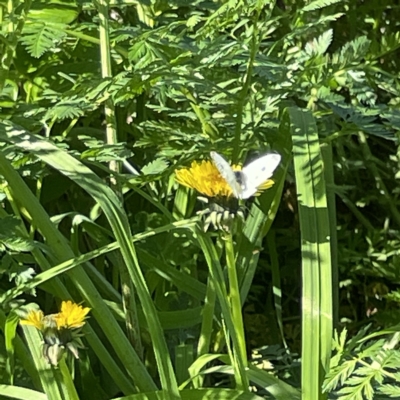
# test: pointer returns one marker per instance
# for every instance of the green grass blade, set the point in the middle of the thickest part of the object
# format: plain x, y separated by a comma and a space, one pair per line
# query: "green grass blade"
10, 332
21, 393
181, 201
315, 247
234, 297
257, 224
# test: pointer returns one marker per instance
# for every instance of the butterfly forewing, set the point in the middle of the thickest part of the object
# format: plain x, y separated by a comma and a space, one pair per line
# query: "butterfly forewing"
226, 172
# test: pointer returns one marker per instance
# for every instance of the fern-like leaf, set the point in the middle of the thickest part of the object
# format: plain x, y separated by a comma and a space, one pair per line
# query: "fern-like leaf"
38, 37
392, 391
352, 51
155, 167
316, 5
320, 45
68, 109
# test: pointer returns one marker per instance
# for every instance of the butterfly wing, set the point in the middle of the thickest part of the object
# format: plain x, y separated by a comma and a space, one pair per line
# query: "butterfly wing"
226, 172
257, 172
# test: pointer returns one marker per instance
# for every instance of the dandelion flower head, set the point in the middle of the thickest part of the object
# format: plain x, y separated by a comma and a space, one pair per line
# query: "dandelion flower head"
204, 177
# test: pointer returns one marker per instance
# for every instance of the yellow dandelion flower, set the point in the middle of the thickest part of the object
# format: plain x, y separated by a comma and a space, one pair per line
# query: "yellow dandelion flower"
34, 318
60, 333
205, 178
72, 315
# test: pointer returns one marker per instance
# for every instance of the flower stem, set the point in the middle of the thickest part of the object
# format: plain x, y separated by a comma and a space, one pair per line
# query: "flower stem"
67, 382
234, 298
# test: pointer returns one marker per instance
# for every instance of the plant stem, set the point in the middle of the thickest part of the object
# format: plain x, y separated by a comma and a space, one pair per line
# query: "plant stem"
67, 382
203, 346
234, 297
128, 297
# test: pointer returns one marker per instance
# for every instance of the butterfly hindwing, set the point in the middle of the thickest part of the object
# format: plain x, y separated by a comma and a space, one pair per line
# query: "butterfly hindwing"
258, 172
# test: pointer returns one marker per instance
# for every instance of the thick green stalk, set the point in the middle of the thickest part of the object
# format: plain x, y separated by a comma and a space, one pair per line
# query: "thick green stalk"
67, 380
106, 73
128, 292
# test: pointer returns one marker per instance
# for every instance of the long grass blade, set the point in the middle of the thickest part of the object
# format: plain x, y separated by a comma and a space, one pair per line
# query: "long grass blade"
315, 250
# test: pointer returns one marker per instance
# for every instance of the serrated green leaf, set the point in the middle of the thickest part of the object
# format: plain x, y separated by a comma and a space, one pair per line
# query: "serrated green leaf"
317, 4
320, 45
155, 167
39, 38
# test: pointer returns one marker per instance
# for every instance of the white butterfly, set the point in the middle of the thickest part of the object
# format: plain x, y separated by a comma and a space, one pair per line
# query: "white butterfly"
245, 183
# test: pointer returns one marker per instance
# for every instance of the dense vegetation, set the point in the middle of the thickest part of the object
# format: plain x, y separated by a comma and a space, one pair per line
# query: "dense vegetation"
294, 296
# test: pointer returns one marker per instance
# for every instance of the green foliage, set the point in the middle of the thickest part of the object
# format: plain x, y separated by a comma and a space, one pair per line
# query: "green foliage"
93, 97
364, 370
15, 250
40, 38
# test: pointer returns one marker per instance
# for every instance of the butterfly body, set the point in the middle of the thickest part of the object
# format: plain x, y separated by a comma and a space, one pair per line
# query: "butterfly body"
245, 183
